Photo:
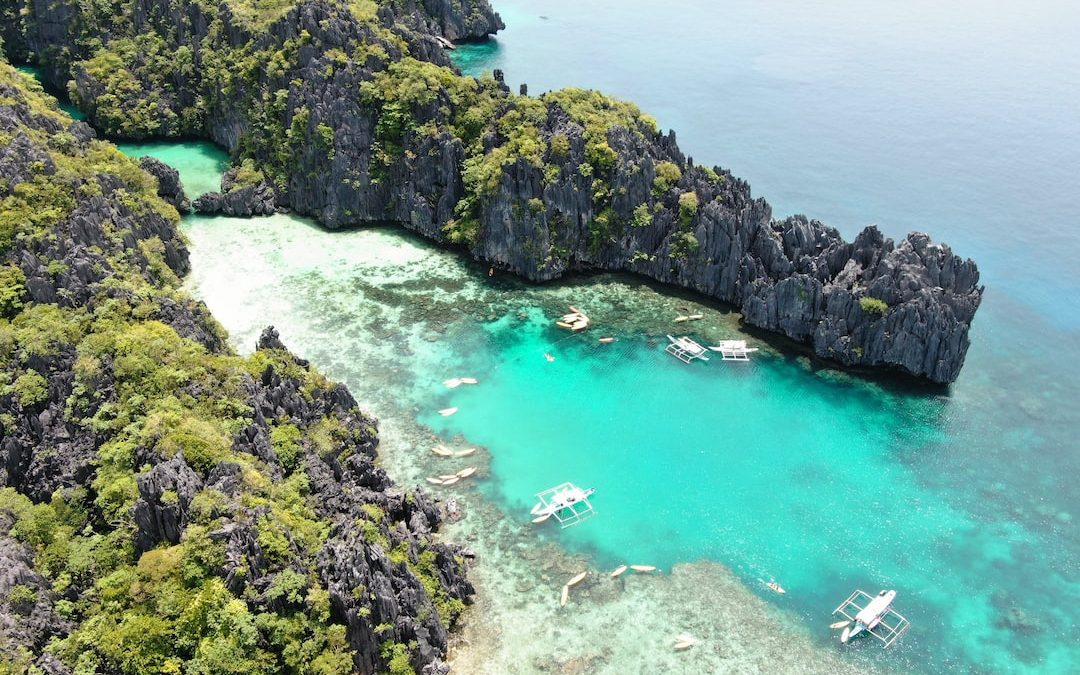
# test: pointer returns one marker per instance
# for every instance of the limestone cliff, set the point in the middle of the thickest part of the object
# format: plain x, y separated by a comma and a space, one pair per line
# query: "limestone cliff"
353, 117
163, 501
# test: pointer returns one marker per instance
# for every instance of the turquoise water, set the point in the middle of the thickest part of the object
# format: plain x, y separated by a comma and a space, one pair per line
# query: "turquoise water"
958, 498
200, 163
65, 104
958, 120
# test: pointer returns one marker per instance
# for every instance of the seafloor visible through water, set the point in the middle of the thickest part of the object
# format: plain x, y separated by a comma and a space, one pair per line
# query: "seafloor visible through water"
728, 475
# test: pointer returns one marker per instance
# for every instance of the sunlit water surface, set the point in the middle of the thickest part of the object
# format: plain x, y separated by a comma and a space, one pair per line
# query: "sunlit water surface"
962, 499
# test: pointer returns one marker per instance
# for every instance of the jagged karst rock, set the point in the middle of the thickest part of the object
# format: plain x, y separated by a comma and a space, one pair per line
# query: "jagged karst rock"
255, 198
701, 230
56, 427
165, 495
27, 616
169, 186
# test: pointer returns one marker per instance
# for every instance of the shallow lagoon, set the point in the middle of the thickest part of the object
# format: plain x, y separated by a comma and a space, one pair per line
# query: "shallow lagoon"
962, 498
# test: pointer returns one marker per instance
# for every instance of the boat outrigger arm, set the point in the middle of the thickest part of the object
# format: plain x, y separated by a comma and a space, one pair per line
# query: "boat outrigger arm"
875, 617
566, 502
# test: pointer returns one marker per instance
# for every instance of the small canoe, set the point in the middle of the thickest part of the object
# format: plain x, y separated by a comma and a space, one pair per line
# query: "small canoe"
680, 319
695, 317
570, 318
845, 635
606, 340
564, 596
776, 587
447, 412
575, 310
448, 476
442, 451
451, 481
683, 637
577, 579
466, 452
683, 646
468, 380
540, 519
452, 383
465, 473
643, 568
619, 570
563, 324
580, 325
435, 481
839, 624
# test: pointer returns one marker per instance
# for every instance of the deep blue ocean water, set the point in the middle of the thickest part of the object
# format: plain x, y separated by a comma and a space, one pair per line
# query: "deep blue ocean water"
956, 120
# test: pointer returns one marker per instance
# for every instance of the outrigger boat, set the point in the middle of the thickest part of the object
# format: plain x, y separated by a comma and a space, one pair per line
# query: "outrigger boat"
566, 502
685, 349
733, 350
876, 617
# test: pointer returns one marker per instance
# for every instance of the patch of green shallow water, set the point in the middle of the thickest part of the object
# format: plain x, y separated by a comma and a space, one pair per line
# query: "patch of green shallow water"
772, 468
62, 100
200, 163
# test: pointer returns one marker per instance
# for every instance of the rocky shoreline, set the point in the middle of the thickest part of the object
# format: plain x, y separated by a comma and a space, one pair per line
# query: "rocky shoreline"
353, 116
163, 501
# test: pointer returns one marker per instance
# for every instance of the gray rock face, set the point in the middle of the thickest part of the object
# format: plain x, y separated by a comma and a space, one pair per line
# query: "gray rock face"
169, 186
794, 276
47, 447
239, 199
27, 615
165, 495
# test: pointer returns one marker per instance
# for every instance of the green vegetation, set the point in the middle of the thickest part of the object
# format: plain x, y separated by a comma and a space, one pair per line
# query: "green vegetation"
688, 208
873, 305
668, 175
142, 390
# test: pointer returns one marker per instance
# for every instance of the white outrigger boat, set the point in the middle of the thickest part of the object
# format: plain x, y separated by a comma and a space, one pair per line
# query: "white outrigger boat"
733, 350
685, 349
566, 502
876, 617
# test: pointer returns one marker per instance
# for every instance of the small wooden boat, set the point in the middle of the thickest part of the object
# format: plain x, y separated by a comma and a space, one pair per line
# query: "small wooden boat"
606, 340
448, 476
466, 452
575, 310
683, 637
643, 568
542, 518
839, 624
846, 635
775, 587
577, 579
435, 481
571, 318
618, 571
564, 596
451, 481
683, 646
680, 319
447, 412
579, 325
442, 451
563, 324
452, 383
468, 380
695, 317
465, 473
